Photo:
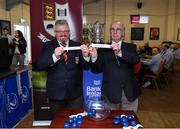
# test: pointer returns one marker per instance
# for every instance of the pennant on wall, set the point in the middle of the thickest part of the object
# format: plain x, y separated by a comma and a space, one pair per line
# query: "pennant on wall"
44, 13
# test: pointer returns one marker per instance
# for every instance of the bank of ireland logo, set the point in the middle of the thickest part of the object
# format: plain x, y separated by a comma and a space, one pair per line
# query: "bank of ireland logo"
51, 13
12, 102
25, 94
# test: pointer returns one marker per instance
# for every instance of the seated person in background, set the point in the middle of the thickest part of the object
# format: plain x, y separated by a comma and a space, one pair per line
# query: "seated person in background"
150, 66
172, 47
176, 52
141, 51
148, 49
167, 56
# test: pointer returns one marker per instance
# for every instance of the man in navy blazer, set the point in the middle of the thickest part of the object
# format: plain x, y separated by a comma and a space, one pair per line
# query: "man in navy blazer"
120, 85
64, 68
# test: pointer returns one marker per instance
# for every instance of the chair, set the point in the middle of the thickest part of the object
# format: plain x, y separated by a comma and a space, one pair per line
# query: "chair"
136, 68
165, 75
155, 77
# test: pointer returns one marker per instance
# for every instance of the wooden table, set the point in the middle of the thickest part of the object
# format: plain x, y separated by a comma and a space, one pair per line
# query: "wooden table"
63, 114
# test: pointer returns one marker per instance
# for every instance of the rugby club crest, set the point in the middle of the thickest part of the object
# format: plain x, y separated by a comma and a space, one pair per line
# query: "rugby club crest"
53, 12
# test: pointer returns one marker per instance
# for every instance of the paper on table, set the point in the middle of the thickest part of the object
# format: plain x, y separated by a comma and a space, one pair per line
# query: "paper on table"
101, 45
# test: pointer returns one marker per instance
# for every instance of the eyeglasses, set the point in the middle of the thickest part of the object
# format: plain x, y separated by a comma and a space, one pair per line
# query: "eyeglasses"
64, 31
116, 30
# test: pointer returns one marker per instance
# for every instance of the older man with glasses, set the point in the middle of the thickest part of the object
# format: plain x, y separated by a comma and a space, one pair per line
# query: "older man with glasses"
120, 85
64, 68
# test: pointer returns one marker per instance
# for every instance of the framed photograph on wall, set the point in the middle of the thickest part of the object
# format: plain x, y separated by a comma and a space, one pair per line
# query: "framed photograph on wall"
5, 24
137, 33
178, 35
154, 33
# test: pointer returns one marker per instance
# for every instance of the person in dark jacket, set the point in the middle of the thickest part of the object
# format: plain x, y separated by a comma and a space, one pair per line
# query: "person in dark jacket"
120, 84
64, 69
19, 48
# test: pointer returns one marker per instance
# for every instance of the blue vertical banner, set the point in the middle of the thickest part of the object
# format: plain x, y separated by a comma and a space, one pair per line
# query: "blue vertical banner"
26, 97
15, 98
13, 109
92, 83
2, 104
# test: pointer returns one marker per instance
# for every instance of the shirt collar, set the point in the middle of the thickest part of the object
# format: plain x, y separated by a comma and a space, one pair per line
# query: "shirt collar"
120, 43
67, 43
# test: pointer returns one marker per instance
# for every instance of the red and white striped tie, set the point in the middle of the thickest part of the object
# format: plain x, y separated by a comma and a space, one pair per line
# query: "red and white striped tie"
65, 54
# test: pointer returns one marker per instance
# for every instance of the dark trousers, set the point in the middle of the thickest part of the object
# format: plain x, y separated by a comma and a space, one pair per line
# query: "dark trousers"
58, 104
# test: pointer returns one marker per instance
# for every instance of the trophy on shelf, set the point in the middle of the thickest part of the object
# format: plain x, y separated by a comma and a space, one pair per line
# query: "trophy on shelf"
96, 32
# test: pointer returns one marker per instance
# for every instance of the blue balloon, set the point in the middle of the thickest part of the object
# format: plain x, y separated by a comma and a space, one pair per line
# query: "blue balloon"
123, 119
74, 125
125, 124
79, 117
90, 114
133, 123
116, 121
79, 122
70, 120
117, 117
66, 125
74, 119
130, 117
93, 111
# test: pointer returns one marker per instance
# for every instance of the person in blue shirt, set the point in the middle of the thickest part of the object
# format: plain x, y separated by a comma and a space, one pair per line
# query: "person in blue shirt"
151, 66
167, 56
148, 49
176, 52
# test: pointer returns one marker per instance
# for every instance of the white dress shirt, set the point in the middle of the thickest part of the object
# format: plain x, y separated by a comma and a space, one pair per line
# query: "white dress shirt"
119, 43
55, 59
119, 54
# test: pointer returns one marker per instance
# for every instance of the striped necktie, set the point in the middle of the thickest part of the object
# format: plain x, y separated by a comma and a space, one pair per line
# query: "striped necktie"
65, 54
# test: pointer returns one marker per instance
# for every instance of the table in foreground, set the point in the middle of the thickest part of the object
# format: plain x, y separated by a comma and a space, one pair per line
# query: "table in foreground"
63, 115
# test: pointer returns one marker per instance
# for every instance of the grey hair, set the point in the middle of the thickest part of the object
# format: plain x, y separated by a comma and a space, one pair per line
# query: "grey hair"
118, 22
61, 22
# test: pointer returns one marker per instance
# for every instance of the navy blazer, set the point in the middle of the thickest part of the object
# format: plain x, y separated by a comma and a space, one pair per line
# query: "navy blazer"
64, 80
118, 73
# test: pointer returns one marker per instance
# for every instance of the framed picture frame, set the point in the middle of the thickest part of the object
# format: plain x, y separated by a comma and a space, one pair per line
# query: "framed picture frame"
178, 34
137, 33
5, 24
154, 33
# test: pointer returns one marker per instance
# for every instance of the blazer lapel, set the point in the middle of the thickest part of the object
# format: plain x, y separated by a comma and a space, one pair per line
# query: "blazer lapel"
122, 46
56, 43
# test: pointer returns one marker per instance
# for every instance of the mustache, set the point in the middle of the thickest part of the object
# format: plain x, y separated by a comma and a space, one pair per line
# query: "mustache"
63, 36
